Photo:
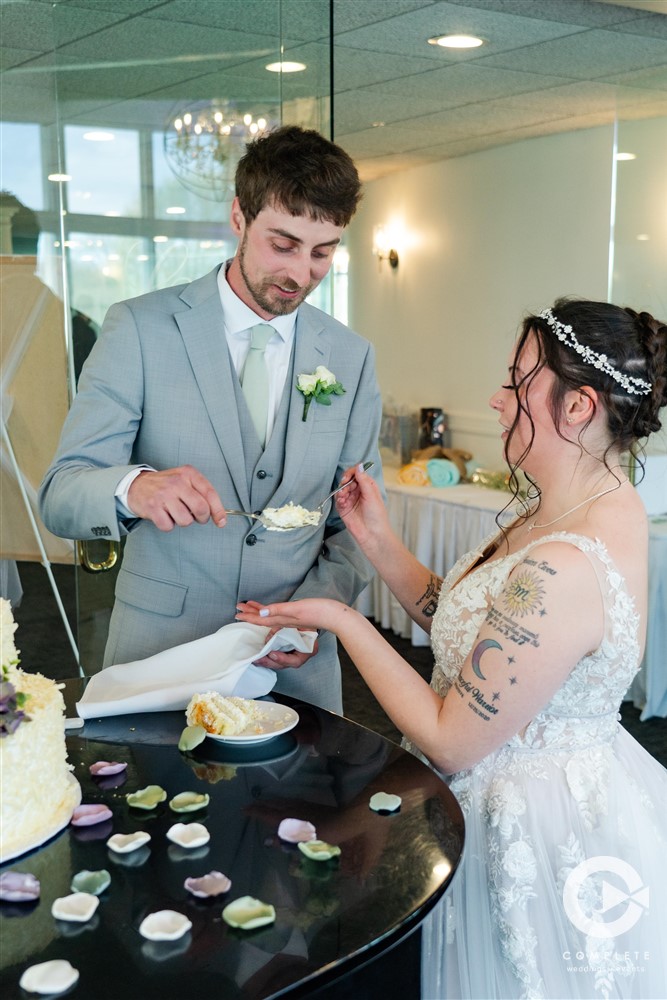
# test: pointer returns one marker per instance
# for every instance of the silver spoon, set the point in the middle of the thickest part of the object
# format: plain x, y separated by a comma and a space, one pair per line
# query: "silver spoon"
272, 526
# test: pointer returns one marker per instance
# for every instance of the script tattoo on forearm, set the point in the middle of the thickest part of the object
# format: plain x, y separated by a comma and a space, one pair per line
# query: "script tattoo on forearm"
430, 596
477, 700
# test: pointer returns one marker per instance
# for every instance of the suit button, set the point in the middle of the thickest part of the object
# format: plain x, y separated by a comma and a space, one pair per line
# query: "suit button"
261, 474
251, 540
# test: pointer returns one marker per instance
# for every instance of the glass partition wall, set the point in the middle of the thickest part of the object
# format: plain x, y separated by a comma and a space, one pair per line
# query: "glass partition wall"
121, 126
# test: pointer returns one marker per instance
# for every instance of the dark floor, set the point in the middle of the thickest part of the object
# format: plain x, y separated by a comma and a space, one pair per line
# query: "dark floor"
43, 644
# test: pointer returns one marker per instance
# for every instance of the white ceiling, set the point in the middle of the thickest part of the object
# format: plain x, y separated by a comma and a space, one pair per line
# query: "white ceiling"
546, 66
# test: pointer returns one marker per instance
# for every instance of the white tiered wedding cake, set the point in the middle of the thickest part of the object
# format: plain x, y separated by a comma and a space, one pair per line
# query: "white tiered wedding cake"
38, 792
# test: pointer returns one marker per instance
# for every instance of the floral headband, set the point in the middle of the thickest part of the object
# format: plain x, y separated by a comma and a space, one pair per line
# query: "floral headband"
568, 337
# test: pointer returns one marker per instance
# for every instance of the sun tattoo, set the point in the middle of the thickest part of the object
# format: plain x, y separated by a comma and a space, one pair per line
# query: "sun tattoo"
524, 594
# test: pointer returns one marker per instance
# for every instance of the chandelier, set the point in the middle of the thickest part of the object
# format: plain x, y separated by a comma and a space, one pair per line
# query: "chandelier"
204, 142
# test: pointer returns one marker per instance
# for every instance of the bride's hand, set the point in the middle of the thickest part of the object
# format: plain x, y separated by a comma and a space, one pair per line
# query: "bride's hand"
310, 613
362, 508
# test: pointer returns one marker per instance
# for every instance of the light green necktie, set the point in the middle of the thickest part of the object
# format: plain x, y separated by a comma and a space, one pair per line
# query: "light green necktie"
255, 379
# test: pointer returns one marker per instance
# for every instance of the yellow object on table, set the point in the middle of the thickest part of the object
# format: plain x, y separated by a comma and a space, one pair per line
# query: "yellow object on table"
414, 474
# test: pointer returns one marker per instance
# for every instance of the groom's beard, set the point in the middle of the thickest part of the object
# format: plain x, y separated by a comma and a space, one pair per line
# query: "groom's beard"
264, 290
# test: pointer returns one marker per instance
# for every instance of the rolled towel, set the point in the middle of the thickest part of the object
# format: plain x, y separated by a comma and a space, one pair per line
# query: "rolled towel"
442, 472
414, 474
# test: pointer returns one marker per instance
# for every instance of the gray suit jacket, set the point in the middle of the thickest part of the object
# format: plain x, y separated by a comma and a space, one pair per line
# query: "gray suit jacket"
159, 389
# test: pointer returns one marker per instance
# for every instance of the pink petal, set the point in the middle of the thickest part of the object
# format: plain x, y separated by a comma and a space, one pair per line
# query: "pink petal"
18, 887
208, 885
106, 767
87, 815
296, 830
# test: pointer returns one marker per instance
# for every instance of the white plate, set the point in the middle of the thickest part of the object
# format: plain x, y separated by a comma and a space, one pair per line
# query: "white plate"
273, 720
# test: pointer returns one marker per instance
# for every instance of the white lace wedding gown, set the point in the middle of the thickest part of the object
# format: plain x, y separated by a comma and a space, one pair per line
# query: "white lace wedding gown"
574, 796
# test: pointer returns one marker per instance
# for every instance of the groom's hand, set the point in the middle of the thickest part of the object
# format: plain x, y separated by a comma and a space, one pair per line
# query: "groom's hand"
175, 498
283, 659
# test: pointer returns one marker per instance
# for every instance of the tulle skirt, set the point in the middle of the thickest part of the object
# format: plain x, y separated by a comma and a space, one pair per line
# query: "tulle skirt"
562, 891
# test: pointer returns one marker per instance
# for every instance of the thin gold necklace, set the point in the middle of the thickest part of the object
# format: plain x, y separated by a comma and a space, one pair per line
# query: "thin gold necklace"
560, 517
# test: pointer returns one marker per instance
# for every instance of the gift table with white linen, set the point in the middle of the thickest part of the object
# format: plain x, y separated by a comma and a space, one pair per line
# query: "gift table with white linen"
439, 525
332, 918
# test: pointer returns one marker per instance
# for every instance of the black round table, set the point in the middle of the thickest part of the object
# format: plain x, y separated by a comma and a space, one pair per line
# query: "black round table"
332, 918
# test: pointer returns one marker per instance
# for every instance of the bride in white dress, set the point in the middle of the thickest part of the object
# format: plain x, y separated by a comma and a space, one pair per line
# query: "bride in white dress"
537, 635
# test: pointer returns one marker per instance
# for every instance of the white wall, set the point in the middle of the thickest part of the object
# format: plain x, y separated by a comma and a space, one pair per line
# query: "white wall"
485, 239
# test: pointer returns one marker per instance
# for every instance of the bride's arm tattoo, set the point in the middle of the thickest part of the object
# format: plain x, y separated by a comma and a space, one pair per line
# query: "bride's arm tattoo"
429, 598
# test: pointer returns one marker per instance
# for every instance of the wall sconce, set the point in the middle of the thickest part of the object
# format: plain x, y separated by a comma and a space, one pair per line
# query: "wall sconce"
382, 246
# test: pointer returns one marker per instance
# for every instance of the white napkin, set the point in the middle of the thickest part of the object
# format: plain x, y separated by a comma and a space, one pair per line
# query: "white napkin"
166, 681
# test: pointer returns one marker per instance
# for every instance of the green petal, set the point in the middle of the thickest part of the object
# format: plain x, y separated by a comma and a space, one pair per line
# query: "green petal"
191, 737
146, 798
318, 850
188, 801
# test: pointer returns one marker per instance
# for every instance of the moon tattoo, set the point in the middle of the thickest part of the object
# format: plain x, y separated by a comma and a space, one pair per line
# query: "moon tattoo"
478, 652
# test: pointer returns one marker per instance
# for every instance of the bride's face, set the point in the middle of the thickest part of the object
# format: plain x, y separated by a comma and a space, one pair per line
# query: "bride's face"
522, 406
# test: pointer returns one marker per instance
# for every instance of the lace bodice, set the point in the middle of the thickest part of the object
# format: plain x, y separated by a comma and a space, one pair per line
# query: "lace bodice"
585, 706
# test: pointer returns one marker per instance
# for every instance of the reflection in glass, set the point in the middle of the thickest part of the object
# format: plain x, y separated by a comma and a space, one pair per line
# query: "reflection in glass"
105, 268
204, 141
22, 162
105, 174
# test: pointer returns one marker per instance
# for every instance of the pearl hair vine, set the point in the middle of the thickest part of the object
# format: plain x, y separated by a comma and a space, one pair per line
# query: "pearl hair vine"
567, 336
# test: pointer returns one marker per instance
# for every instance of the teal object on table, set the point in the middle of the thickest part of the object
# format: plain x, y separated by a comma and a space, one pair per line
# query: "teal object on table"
442, 472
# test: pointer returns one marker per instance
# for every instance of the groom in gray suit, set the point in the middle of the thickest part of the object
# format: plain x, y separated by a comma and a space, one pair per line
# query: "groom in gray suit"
160, 438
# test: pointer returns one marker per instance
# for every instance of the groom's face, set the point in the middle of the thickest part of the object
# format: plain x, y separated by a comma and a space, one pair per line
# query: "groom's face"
281, 258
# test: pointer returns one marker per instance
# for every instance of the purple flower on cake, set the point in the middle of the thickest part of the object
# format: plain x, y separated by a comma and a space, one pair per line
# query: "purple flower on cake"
12, 701
11, 707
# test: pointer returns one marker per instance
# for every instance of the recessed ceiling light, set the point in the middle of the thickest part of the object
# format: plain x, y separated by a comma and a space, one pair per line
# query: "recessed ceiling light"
160, 239
176, 210
626, 156
456, 41
285, 67
99, 136
377, 124
59, 177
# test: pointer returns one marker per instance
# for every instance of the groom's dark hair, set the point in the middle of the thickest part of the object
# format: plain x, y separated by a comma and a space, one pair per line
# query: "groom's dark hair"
300, 171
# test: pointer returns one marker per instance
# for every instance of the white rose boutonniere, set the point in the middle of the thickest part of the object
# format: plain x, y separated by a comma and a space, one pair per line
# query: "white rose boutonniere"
319, 387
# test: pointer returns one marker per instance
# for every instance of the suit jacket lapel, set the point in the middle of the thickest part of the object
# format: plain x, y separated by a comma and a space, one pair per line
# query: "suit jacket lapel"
312, 347
202, 329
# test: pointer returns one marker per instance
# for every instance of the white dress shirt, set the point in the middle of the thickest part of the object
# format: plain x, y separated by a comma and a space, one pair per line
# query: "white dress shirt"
238, 320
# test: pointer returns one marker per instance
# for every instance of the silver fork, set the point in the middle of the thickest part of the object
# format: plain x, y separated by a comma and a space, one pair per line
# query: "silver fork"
367, 466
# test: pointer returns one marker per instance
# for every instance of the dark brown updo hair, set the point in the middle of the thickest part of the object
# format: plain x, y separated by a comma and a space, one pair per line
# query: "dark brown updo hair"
635, 344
